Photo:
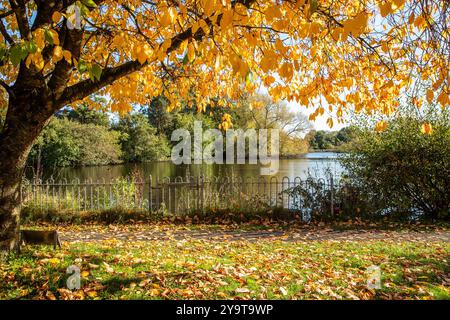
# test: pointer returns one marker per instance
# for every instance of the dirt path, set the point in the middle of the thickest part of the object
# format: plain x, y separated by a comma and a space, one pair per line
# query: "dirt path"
149, 233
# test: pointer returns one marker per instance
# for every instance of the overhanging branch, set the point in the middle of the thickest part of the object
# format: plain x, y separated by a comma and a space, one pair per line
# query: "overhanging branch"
87, 87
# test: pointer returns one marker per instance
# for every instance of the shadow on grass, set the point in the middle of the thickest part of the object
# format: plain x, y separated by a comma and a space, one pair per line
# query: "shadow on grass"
116, 283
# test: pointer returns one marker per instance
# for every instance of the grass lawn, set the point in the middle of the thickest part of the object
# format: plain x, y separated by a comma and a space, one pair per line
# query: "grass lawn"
242, 269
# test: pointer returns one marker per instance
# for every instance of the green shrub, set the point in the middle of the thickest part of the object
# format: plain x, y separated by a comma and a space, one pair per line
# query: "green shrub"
69, 143
317, 200
403, 171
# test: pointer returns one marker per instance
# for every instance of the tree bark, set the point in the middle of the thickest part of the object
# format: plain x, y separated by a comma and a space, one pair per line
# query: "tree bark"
21, 129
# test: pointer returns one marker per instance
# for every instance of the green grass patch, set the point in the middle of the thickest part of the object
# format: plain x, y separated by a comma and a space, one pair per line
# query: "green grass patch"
206, 269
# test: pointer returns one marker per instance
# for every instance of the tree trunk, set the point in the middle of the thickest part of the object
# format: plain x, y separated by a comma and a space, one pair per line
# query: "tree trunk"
9, 209
22, 126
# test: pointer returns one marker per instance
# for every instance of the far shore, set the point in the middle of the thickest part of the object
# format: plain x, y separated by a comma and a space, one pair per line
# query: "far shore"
283, 157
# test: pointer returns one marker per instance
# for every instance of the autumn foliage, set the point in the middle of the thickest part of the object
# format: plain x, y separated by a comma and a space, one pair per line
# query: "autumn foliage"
330, 55
335, 56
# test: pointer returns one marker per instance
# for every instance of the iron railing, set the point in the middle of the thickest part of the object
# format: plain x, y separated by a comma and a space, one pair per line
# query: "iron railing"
179, 194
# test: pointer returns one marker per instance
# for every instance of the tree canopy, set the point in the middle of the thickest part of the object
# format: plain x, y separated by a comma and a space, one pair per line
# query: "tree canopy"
335, 56
327, 54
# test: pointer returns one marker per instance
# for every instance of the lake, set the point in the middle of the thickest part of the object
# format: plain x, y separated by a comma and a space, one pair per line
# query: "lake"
315, 162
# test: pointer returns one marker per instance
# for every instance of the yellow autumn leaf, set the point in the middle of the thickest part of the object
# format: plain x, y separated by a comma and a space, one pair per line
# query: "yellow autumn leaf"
381, 126
184, 45
286, 71
386, 9
67, 55
57, 53
443, 99
195, 27
357, 25
39, 61
142, 53
426, 128
39, 38
217, 63
154, 292
208, 7
191, 52
330, 122
55, 37
56, 17
166, 17
315, 27
172, 12
398, 4
430, 95
29, 60
419, 21
266, 63
227, 19
36, 59
273, 12
268, 80
204, 26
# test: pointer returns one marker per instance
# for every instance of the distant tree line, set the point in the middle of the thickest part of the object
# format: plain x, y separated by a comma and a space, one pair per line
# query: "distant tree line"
341, 140
89, 135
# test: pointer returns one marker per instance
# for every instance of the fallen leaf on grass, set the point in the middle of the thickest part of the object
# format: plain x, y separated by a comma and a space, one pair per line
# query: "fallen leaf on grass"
108, 268
283, 291
154, 292
49, 295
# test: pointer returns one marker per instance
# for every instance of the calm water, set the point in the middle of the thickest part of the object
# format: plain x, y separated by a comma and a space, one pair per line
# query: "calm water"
316, 163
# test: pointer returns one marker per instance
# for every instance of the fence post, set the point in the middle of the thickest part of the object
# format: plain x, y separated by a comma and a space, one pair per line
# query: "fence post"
169, 199
150, 198
202, 180
158, 194
198, 192
332, 195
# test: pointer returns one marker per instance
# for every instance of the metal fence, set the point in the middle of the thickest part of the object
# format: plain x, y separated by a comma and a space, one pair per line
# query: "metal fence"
180, 194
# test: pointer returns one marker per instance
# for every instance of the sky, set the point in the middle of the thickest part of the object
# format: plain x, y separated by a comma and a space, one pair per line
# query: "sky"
320, 122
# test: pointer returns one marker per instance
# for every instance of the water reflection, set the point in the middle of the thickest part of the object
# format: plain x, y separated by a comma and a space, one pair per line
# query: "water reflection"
316, 163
